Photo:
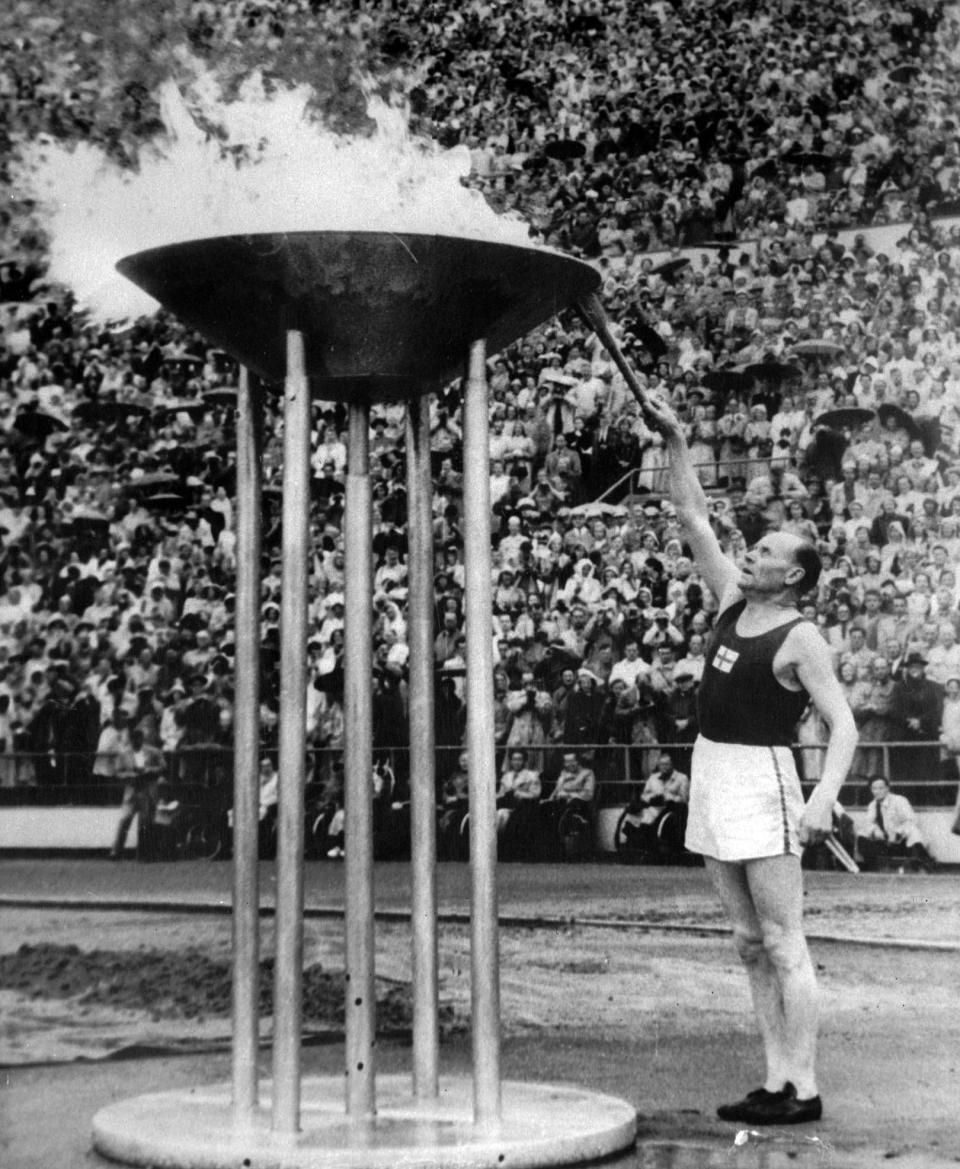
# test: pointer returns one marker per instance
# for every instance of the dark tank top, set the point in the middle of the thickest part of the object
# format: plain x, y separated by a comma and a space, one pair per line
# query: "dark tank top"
740, 699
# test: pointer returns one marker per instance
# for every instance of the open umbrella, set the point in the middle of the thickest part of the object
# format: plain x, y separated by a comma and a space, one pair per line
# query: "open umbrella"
669, 268
678, 99
565, 148
901, 418
164, 501
225, 477
771, 371
221, 396
651, 340
814, 158
88, 519
824, 456
844, 416
36, 424
726, 381
598, 510
222, 361
194, 407
818, 348
152, 483
931, 435
184, 361
109, 411
903, 73
765, 170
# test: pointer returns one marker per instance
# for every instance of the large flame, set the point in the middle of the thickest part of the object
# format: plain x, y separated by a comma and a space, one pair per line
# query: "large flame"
268, 166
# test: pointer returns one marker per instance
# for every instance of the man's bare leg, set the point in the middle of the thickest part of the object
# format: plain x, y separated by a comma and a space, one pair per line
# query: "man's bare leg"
732, 886
776, 892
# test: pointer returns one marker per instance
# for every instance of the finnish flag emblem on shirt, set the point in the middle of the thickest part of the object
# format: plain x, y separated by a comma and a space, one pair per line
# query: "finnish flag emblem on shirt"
725, 658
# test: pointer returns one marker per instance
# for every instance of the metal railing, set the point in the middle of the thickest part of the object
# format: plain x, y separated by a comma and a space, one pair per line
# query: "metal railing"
640, 480
204, 773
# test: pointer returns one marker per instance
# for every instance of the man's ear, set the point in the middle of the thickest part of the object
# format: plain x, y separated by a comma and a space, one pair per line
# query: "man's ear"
793, 575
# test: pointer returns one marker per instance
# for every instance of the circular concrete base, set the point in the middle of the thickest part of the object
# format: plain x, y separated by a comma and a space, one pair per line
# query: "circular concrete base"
543, 1124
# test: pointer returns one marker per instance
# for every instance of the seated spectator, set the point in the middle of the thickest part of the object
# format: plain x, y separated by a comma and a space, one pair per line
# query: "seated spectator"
269, 794
665, 790
892, 828
568, 810
518, 801
269, 779
454, 805
575, 783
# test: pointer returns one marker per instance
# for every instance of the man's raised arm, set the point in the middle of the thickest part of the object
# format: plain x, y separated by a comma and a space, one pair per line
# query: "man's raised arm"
688, 497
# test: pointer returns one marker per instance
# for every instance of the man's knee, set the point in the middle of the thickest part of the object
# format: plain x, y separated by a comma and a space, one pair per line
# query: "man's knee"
785, 948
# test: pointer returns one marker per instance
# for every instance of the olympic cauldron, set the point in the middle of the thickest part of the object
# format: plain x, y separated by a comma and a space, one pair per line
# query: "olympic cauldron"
361, 317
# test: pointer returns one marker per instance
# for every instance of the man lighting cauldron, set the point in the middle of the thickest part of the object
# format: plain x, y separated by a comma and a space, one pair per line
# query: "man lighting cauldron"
746, 814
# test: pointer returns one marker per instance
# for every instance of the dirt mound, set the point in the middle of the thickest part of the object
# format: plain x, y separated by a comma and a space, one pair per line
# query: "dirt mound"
180, 985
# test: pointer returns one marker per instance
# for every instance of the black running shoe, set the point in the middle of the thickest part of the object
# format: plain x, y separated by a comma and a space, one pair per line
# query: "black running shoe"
758, 1098
781, 1108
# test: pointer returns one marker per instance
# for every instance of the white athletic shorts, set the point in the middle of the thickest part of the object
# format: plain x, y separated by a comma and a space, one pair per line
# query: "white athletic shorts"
745, 801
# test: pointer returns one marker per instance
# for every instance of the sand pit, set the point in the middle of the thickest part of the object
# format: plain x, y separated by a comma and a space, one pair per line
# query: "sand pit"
68, 999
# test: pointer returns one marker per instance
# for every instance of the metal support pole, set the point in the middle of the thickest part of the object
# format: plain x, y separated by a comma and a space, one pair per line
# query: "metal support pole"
288, 971
246, 757
484, 958
423, 794
358, 768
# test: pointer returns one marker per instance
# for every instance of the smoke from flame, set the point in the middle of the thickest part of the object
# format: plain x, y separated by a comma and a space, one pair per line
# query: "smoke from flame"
269, 167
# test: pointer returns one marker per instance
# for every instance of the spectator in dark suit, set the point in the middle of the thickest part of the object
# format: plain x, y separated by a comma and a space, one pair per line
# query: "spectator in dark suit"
584, 710
917, 705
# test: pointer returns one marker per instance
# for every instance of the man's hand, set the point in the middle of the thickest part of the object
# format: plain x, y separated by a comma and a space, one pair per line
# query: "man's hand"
816, 823
660, 417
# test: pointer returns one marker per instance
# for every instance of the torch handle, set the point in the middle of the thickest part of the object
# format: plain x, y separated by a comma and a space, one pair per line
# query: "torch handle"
834, 846
591, 310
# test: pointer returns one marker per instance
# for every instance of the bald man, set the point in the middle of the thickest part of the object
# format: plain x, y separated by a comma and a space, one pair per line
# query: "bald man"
747, 815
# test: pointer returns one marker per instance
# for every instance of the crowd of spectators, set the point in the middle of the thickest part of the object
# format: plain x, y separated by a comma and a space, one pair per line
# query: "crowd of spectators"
615, 132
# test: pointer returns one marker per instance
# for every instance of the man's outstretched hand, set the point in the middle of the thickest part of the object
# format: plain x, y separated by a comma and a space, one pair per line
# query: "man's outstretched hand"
660, 417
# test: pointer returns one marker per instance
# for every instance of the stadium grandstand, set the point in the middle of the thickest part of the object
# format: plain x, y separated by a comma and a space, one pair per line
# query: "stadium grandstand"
771, 193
